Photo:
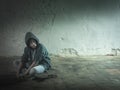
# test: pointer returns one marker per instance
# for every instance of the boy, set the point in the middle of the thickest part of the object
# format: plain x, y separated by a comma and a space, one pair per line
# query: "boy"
35, 59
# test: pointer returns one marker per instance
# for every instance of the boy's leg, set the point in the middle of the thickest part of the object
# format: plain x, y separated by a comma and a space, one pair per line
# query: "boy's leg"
37, 70
16, 64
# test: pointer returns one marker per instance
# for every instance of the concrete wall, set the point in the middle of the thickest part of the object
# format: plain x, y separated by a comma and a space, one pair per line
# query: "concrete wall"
65, 27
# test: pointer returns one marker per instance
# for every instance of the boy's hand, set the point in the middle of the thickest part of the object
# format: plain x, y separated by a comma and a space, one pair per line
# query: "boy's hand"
26, 73
17, 75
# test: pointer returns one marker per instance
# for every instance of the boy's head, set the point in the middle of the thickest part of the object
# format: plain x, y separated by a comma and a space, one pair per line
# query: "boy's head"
31, 40
32, 43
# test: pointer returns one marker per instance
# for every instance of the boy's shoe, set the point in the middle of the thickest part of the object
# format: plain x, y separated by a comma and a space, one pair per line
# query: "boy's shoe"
33, 78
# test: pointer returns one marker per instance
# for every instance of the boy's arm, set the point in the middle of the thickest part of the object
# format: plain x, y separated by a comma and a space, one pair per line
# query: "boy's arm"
23, 61
19, 69
32, 65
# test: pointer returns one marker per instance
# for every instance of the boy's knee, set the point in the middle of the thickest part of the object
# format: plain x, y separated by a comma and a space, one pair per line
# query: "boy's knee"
32, 71
39, 69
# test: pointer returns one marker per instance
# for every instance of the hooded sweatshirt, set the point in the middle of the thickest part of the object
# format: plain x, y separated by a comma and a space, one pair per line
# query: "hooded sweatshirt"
40, 54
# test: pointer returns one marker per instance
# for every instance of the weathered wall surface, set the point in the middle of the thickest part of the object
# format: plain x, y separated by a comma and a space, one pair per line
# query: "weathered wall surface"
66, 27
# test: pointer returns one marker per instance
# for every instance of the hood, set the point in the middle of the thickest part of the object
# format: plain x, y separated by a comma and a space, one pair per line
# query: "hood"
30, 35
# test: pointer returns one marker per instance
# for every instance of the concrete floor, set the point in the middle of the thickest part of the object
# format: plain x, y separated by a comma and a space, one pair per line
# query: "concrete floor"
75, 73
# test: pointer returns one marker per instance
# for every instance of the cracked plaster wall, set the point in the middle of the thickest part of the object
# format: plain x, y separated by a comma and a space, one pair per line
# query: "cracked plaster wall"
65, 27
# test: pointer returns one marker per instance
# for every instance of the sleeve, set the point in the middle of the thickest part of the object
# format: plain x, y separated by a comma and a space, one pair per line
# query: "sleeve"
24, 56
45, 57
42, 57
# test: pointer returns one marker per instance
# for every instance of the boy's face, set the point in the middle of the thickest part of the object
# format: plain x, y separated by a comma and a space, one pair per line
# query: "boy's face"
33, 44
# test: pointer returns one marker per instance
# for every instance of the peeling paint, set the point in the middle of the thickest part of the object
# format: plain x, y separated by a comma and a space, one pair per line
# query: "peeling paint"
69, 52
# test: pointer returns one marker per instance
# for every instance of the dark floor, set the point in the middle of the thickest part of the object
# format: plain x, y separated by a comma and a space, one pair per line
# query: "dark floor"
75, 73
